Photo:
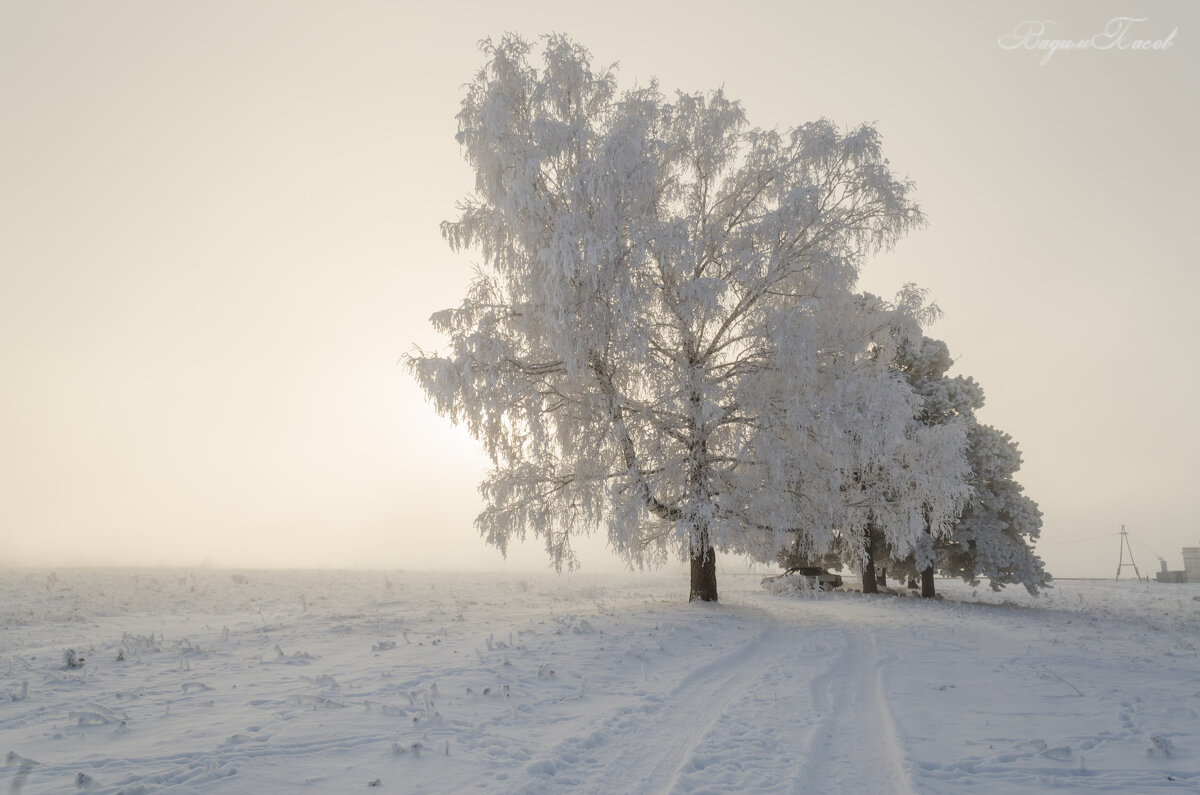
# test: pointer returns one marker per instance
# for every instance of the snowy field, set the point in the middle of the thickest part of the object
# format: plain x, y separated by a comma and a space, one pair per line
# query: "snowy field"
218, 681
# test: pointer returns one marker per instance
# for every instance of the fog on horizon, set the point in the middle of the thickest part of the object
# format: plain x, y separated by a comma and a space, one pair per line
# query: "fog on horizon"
219, 234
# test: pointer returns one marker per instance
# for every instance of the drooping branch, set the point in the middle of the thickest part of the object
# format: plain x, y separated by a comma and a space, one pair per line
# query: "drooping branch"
628, 450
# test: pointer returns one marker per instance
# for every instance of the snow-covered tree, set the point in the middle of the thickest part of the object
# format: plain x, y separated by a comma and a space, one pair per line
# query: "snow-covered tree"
994, 537
944, 400
997, 531
662, 338
906, 486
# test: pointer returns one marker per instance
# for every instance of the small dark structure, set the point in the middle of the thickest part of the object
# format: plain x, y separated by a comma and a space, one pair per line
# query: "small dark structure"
1191, 568
1169, 576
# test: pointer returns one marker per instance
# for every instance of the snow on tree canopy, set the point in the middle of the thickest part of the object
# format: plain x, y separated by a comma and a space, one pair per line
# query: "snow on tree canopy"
662, 340
998, 528
999, 524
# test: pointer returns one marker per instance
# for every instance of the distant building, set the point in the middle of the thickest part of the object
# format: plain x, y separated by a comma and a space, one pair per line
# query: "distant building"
1191, 568
1191, 563
1170, 576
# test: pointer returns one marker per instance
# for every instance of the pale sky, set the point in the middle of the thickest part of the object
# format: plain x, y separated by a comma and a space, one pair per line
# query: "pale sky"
219, 234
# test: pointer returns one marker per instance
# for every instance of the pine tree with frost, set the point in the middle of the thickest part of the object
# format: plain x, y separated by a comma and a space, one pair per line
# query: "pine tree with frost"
662, 339
924, 362
995, 534
999, 527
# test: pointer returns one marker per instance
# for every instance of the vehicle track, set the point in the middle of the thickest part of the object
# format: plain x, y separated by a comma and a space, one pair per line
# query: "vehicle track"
853, 747
641, 747
799, 708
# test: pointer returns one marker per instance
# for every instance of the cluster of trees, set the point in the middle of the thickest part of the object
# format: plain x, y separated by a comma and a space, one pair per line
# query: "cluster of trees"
996, 531
664, 342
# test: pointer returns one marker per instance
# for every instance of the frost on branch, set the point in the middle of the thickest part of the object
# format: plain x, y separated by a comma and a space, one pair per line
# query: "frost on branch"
662, 340
903, 481
999, 525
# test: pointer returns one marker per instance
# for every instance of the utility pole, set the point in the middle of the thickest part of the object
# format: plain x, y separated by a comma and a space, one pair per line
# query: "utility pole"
1125, 546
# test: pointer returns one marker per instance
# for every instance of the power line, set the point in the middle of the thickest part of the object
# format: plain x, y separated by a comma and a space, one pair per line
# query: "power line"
1147, 546
1079, 540
1088, 533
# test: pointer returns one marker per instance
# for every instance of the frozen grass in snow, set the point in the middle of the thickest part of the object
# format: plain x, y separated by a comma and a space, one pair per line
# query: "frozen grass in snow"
335, 681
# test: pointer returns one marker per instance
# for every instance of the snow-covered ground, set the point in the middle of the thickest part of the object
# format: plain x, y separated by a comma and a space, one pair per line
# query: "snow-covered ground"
260, 682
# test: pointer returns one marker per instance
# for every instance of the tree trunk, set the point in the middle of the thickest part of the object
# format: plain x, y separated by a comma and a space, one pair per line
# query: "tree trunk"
868, 572
927, 590
704, 576
704, 557
883, 577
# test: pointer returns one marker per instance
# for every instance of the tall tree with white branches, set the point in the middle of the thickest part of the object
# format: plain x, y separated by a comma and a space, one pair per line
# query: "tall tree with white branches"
662, 338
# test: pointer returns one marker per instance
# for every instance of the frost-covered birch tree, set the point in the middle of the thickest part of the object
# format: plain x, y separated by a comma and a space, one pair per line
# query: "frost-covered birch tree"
661, 339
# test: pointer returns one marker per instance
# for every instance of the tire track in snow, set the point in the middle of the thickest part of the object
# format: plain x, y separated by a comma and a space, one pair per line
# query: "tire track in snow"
641, 748
854, 746
830, 731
